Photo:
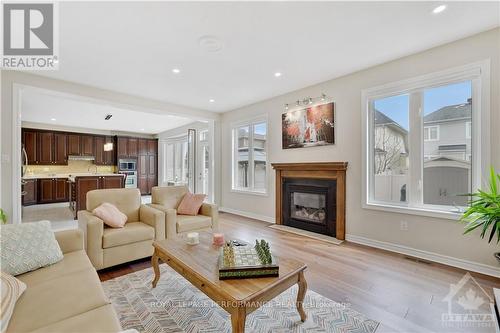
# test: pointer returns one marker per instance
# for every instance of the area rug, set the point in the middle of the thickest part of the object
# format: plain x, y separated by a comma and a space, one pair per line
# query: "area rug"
177, 306
306, 233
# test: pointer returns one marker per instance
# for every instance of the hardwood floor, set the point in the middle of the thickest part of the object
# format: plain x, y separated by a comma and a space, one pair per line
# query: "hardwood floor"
404, 294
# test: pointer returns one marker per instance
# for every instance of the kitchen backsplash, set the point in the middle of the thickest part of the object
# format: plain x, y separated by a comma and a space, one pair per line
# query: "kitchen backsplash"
72, 167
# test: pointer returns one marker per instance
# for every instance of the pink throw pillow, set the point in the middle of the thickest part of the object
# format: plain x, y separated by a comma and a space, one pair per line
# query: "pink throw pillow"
110, 215
190, 204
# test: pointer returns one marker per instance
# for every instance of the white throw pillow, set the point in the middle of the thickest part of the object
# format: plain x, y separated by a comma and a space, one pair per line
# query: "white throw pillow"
28, 246
10, 289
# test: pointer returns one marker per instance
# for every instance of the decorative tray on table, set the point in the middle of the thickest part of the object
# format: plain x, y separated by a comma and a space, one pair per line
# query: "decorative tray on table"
240, 260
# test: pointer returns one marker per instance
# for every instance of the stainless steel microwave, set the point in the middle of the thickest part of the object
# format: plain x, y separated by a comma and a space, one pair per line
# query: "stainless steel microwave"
127, 165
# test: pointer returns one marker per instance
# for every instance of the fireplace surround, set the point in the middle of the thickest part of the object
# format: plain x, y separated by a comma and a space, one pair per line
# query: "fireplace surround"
311, 196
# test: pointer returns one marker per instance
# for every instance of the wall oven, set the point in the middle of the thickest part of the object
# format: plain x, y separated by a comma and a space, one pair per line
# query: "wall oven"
130, 178
128, 167
127, 164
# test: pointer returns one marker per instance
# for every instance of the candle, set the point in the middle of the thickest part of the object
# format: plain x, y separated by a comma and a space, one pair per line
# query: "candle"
193, 238
218, 239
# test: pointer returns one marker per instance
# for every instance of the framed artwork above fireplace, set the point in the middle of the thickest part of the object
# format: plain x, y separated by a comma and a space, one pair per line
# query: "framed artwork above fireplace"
308, 127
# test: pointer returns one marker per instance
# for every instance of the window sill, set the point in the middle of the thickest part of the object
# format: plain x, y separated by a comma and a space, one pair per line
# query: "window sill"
244, 191
442, 214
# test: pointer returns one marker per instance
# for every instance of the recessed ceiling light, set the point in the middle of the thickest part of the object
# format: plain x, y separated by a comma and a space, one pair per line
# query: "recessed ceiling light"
176, 70
277, 74
211, 100
210, 43
142, 129
53, 119
439, 9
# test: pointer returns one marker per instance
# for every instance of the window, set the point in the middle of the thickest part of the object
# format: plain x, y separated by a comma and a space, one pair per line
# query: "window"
431, 133
176, 161
250, 156
419, 154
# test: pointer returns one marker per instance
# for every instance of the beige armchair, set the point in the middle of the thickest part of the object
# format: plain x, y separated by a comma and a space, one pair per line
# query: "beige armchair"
168, 198
107, 246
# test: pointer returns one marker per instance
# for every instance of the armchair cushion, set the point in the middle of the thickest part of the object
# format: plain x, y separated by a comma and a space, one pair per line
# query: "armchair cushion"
132, 232
110, 215
190, 223
169, 196
191, 204
127, 200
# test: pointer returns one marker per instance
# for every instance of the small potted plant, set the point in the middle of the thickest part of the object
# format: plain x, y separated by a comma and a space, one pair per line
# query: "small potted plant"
484, 211
3, 217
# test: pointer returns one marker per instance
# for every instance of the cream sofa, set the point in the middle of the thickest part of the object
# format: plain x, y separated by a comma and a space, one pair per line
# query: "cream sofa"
108, 247
64, 297
167, 200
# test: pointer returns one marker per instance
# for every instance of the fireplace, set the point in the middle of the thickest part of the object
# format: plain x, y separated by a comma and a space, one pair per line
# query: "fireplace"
311, 196
310, 204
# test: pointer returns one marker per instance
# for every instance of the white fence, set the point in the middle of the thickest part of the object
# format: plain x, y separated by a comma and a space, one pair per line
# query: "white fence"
388, 187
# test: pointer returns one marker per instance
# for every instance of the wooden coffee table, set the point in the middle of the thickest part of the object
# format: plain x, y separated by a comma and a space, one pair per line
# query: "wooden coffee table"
198, 265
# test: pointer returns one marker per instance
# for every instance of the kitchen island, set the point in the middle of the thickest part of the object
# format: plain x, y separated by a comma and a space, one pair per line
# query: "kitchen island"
79, 185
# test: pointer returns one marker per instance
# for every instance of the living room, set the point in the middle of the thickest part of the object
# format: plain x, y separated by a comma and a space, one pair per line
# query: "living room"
353, 162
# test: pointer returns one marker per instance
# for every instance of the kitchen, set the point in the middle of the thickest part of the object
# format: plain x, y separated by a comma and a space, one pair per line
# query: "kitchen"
65, 154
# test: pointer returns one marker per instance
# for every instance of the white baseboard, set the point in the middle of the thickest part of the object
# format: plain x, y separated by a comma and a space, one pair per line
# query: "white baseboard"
248, 214
430, 256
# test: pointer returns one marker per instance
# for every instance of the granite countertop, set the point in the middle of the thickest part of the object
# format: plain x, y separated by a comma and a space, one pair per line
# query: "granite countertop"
69, 176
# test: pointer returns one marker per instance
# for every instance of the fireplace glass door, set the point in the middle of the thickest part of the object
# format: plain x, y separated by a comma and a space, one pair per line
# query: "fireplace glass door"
310, 204
310, 207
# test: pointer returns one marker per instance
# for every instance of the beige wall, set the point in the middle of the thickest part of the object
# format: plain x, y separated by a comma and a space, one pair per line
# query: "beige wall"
440, 236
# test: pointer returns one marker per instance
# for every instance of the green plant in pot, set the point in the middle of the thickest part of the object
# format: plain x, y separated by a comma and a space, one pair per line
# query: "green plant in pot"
484, 211
3, 217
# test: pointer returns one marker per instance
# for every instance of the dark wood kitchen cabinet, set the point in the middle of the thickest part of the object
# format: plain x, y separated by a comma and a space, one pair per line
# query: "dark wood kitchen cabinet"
52, 190
87, 145
60, 149
127, 147
29, 141
29, 192
45, 148
74, 144
147, 165
52, 148
103, 157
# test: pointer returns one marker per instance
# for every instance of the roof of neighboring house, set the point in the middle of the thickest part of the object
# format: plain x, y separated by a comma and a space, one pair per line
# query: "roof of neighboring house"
382, 119
451, 112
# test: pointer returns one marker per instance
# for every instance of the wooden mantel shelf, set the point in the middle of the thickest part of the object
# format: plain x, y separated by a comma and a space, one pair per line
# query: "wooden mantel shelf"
314, 170
314, 166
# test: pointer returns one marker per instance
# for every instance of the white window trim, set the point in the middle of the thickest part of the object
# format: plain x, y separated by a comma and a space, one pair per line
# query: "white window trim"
437, 133
234, 127
468, 130
479, 73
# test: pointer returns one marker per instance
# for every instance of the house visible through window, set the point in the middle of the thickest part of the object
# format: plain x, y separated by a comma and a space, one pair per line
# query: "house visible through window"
419, 149
250, 157
431, 133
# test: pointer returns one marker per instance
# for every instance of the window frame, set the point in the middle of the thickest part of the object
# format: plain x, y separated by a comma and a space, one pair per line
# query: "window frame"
234, 163
468, 130
479, 74
430, 136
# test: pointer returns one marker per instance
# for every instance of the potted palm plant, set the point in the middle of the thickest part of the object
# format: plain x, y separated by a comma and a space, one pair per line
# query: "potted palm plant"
484, 211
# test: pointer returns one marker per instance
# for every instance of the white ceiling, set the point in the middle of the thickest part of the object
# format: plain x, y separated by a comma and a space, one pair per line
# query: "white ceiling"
39, 106
132, 47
